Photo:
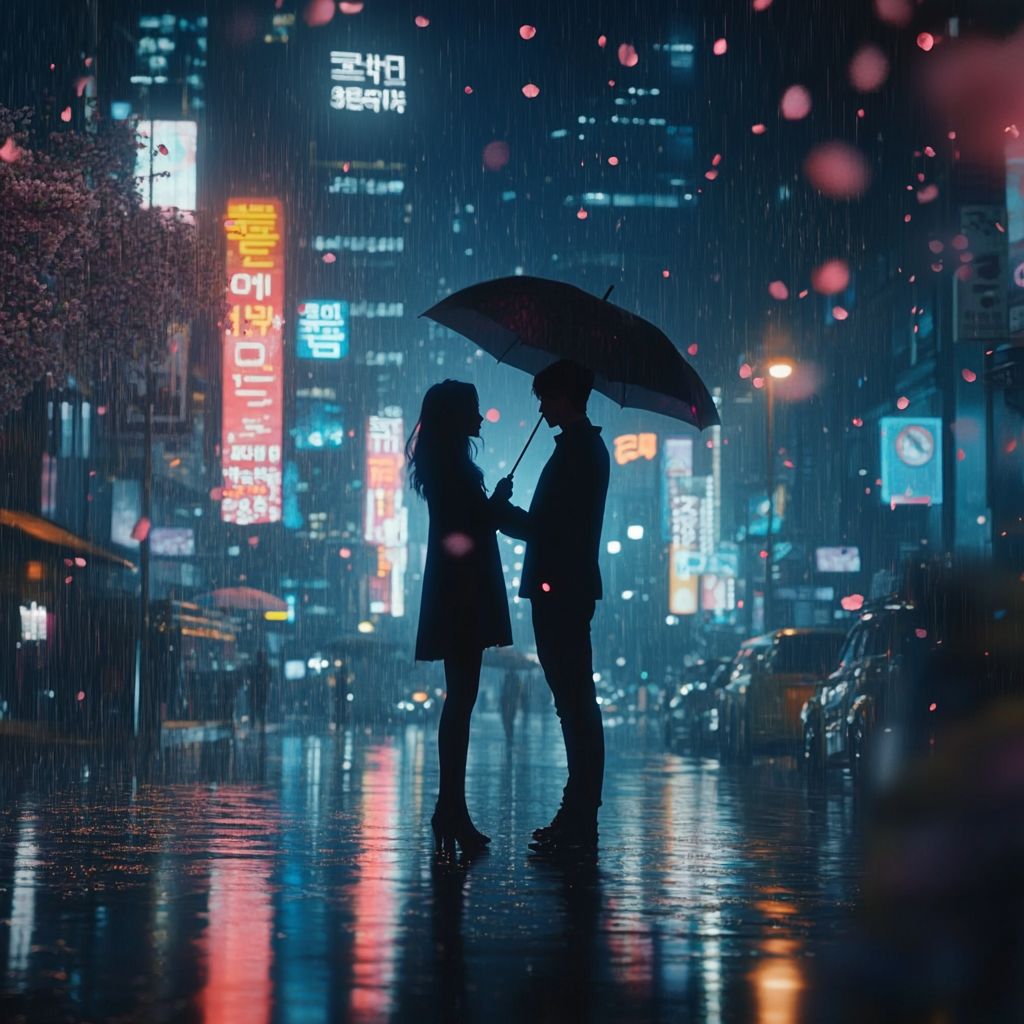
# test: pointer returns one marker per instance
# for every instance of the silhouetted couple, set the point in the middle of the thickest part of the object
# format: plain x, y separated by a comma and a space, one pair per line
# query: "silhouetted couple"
464, 609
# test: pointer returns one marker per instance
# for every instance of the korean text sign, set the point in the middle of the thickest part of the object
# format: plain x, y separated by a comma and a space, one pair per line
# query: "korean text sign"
372, 83
323, 330
252, 421
386, 523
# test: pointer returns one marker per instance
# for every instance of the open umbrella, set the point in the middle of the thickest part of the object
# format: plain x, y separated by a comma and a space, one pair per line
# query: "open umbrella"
243, 599
530, 322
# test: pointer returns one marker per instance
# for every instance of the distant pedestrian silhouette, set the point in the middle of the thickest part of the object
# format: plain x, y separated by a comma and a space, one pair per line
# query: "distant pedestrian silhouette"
464, 608
561, 577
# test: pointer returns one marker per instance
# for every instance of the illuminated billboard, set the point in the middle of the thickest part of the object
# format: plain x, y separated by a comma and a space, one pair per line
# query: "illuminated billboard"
691, 538
630, 447
322, 331
1015, 231
911, 460
252, 421
319, 420
373, 84
386, 523
172, 540
165, 164
837, 559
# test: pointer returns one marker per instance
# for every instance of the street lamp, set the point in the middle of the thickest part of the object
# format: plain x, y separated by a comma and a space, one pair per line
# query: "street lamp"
778, 369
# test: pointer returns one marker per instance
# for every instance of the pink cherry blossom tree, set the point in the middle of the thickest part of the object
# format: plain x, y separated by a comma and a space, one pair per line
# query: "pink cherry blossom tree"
87, 276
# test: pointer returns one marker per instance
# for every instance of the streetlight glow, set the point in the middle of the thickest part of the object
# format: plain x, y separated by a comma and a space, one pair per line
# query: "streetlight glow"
780, 370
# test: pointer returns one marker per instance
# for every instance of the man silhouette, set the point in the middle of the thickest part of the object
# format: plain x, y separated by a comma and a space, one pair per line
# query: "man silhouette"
562, 530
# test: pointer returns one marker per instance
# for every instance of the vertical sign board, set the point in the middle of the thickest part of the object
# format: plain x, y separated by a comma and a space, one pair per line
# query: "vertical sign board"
252, 420
677, 462
386, 524
1015, 232
911, 450
981, 282
687, 520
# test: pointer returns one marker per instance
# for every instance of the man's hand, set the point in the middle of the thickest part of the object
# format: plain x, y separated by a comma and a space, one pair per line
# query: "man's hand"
503, 489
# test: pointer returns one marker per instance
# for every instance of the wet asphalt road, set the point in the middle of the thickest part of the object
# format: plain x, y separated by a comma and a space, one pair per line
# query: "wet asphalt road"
291, 880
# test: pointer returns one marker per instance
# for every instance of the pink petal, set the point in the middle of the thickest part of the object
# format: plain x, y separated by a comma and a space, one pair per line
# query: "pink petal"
795, 103
496, 155
928, 193
894, 12
527, 31
65, 114
758, 129
329, 257
602, 41
839, 313
720, 47
762, 5
530, 91
318, 12
422, 22
869, 69
830, 278
838, 170
926, 41
9, 152
628, 56
778, 290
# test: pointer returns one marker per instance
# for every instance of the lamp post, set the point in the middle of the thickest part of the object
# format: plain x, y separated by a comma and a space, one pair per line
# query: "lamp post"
777, 370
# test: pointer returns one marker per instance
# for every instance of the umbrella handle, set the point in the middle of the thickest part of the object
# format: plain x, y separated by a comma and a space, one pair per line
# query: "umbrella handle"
611, 288
527, 445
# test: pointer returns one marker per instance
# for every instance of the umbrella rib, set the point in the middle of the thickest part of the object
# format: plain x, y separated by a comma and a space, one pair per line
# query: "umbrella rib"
501, 358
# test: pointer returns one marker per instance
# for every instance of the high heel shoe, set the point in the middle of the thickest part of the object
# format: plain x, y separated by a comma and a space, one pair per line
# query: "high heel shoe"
451, 829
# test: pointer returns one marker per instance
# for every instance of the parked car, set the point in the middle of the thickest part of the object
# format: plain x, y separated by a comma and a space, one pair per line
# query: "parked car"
840, 716
771, 679
912, 664
691, 720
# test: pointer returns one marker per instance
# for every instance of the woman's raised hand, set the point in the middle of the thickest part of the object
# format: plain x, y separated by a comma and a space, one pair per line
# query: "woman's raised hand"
503, 489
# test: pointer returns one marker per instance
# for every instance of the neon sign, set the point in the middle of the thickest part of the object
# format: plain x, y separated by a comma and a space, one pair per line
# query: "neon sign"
323, 330
252, 420
359, 70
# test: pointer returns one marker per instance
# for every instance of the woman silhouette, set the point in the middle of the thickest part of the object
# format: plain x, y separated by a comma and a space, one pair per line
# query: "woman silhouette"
464, 608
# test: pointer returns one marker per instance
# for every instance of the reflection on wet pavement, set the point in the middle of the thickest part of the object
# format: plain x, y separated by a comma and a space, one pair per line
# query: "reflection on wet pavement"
291, 880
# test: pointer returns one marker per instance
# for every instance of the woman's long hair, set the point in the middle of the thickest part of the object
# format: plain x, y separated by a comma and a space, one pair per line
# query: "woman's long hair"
441, 443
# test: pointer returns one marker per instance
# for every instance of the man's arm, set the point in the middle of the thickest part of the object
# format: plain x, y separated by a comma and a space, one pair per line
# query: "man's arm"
514, 521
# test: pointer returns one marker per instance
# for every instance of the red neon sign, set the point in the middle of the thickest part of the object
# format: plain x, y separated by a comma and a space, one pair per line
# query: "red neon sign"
252, 421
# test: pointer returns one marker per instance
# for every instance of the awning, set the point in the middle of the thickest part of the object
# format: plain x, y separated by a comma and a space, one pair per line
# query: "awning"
49, 533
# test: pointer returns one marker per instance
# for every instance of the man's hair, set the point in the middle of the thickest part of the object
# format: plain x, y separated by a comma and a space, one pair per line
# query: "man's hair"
565, 378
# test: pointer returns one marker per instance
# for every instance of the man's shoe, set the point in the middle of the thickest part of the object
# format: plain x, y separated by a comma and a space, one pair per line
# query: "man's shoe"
565, 843
547, 831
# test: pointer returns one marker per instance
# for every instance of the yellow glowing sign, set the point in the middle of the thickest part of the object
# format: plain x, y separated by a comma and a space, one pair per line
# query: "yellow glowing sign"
276, 616
630, 447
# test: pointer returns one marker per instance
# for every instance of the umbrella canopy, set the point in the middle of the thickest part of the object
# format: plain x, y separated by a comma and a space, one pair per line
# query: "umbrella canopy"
530, 322
244, 599
49, 533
